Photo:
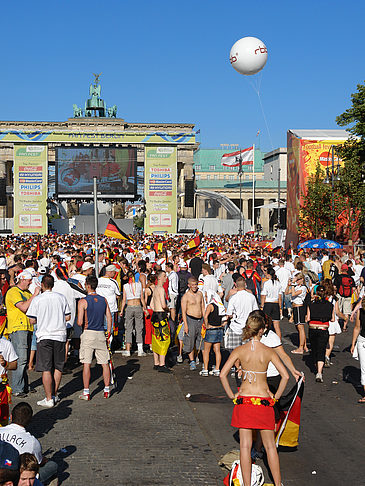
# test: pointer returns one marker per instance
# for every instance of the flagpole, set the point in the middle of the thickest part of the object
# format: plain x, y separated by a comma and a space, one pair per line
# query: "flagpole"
240, 176
253, 190
96, 229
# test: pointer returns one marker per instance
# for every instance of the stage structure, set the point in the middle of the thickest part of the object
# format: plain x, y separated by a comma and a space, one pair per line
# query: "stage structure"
150, 162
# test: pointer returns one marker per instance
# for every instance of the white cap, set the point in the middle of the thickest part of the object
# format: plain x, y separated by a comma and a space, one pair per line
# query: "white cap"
111, 268
25, 275
86, 266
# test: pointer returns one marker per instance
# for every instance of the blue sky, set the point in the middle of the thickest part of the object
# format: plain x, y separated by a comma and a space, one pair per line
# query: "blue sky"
168, 61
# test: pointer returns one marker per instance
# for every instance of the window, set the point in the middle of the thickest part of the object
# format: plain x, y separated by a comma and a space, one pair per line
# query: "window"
208, 177
197, 167
231, 177
197, 177
247, 176
271, 168
212, 167
215, 176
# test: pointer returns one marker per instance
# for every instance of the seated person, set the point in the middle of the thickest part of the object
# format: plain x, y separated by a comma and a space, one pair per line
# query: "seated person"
16, 435
9, 464
29, 469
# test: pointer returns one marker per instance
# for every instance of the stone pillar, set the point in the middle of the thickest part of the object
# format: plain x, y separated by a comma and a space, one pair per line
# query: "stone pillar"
201, 213
265, 217
3, 158
245, 207
185, 159
72, 209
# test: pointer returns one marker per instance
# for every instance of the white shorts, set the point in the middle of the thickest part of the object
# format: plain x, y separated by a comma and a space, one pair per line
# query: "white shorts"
93, 341
172, 301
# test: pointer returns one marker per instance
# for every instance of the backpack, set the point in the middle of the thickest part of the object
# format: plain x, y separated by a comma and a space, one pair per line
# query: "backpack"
235, 477
250, 284
345, 289
183, 282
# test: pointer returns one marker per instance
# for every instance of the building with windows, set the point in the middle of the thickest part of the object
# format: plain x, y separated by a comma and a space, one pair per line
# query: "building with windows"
210, 175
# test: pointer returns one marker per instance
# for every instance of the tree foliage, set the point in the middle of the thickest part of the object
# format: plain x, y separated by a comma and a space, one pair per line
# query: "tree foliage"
317, 214
352, 152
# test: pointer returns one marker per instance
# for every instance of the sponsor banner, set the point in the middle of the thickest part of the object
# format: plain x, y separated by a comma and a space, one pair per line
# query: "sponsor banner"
30, 189
302, 156
161, 189
86, 136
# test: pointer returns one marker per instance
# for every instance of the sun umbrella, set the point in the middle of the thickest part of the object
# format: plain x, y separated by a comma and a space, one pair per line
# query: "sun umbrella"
320, 243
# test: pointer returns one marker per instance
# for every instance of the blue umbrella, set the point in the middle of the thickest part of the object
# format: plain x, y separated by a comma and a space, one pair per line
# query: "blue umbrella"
320, 243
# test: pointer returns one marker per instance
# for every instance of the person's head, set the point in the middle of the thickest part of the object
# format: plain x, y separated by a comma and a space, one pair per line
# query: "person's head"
61, 273
22, 414
271, 274
206, 270
231, 267
151, 279
255, 326
24, 279
344, 268
299, 279
2, 278
250, 265
29, 469
261, 315
320, 292
193, 284
91, 283
329, 287
240, 283
281, 262
47, 283
299, 266
142, 267
169, 267
110, 271
87, 268
161, 277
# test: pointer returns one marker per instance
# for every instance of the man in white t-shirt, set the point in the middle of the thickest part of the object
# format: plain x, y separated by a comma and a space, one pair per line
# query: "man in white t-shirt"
50, 311
284, 275
86, 270
239, 307
16, 435
108, 287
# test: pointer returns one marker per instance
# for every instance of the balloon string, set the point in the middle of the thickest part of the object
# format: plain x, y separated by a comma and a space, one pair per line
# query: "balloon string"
267, 126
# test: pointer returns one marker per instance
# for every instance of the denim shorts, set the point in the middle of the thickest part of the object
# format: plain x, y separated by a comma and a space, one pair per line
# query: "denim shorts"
214, 335
34, 339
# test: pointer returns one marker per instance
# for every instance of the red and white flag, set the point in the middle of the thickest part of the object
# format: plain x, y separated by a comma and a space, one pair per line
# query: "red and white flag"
232, 159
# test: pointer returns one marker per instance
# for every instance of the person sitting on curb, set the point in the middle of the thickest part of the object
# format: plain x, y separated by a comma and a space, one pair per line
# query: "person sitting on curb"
16, 435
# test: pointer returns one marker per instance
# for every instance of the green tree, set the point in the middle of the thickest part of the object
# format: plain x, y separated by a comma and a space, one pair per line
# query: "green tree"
352, 152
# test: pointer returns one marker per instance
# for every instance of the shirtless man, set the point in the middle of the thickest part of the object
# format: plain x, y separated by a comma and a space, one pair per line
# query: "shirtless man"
160, 325
192, 307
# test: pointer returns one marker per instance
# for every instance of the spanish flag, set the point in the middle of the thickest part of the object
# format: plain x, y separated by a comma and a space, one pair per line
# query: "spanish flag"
158, 247
289, 422
114, 231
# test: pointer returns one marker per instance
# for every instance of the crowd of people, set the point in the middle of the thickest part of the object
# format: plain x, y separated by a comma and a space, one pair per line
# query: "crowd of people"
176, 301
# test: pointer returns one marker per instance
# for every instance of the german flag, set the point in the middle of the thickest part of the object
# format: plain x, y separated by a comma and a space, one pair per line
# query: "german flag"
195, 242
289, 422
113, 231
39, 248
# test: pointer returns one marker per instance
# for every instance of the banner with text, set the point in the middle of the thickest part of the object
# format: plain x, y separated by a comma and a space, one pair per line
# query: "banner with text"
30, 189
161, 189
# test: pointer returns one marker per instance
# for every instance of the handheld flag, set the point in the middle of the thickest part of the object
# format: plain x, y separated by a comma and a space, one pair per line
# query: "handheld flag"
158, 247
195, 242
289, 422
113, 230
232, 159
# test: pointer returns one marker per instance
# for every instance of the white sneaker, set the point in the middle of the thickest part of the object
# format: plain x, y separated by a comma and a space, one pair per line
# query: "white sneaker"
56, 399
179, 359
126, 353
141, 353
197, 360
211, 372
46, 403
319, 378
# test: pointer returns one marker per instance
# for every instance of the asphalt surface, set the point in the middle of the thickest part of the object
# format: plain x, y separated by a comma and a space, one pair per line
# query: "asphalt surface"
149, 433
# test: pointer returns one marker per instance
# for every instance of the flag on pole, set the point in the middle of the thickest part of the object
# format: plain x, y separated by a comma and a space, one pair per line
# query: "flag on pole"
195, 242
158, 247
114, 231
232, 159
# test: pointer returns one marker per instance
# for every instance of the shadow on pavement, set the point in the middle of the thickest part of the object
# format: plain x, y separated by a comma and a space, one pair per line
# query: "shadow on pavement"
44, 420
352, 375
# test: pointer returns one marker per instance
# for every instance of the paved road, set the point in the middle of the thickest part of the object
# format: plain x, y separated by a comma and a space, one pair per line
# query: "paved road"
148, 433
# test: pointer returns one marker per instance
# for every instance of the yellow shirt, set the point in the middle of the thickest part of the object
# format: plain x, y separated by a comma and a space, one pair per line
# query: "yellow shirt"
326, 268
17, 320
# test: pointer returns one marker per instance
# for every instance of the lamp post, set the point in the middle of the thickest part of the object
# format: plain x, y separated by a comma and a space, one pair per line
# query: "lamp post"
239, 160
279, 170
332, 175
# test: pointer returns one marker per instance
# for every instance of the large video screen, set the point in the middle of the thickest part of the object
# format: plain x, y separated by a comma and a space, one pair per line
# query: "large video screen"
114, 168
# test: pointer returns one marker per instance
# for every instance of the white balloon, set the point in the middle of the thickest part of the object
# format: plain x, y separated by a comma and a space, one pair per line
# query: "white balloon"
248, 55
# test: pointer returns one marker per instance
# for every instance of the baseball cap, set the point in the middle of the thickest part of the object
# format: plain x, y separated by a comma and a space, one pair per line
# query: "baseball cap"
25, 275
9, 457
344, 267
183, 265
86, 266
111, 268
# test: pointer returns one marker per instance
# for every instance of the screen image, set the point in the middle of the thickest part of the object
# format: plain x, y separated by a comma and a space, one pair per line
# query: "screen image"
114, 168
